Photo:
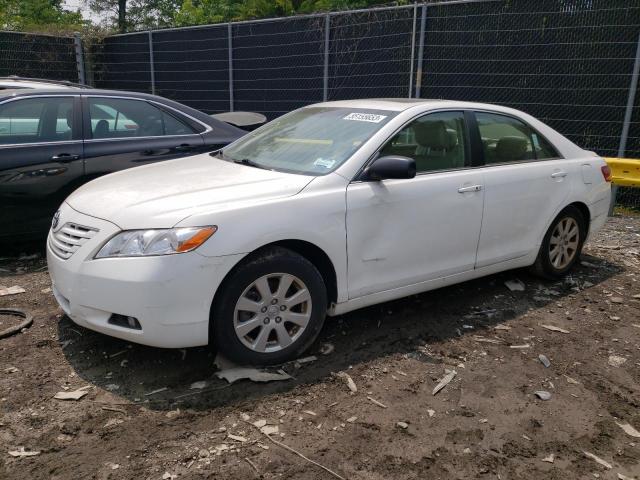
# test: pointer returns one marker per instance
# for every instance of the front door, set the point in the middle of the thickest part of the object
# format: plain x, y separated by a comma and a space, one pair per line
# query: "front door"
122, 133
40, 162
403, 232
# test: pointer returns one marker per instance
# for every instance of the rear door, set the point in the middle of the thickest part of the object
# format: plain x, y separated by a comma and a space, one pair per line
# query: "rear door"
40, 161
526, 180
125, 132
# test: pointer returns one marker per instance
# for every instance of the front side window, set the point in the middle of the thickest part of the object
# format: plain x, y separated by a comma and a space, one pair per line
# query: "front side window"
435, 141
36, 120
506, 139
124, 118
309, 141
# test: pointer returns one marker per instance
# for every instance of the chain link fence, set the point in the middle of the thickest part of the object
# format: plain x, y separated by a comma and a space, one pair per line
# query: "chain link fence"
38, 56
570, 63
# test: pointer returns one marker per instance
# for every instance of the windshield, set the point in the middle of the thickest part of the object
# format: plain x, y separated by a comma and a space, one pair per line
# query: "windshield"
310, 141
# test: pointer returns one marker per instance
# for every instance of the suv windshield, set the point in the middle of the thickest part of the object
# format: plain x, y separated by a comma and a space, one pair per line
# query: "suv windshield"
310, 141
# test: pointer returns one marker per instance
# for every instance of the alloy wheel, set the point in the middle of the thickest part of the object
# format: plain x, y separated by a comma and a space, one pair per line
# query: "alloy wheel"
564, 241
272, 312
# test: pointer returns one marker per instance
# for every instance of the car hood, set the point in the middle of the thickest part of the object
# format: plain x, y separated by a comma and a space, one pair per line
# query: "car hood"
162, 194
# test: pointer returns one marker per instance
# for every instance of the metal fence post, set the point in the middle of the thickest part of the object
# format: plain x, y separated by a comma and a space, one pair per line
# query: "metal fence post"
77, 41
413, 48
423, 22
152, 68
624, 135
325, 85
230, 44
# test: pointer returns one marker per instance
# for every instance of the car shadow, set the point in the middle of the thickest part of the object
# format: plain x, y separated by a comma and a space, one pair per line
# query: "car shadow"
161, 379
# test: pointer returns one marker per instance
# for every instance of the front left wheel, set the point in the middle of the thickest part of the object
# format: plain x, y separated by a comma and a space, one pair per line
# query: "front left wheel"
270, 309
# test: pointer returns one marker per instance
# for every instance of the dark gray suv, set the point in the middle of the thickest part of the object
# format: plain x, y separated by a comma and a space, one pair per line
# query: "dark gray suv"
54, 140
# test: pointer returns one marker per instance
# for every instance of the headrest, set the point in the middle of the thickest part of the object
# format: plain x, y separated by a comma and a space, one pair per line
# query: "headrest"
102, 129
511, 148
433, 134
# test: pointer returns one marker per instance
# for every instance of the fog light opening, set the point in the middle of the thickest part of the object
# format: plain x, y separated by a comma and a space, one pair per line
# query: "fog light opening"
125, 321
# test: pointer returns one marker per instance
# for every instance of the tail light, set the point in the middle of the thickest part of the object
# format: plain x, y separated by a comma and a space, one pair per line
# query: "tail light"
606, 172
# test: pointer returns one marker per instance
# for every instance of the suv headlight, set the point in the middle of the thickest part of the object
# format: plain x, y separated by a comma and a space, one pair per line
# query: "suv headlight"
140, 243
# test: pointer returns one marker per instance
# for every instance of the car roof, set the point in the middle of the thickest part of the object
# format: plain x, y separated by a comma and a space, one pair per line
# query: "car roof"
402, 104
26, 82
54, 90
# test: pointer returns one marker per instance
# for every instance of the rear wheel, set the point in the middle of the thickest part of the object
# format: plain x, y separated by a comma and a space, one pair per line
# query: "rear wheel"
270, 309
562, 244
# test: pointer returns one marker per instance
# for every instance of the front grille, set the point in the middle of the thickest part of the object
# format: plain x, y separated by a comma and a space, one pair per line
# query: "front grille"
66, 241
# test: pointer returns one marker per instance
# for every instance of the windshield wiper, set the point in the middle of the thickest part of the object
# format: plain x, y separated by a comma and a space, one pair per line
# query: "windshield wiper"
244, 161
250, 163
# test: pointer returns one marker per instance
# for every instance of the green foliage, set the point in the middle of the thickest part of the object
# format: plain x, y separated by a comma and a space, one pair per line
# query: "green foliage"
39, 16
202, 12
49, 15
198, 12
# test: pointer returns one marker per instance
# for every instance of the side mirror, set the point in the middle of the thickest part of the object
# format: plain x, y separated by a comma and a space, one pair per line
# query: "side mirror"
390, 166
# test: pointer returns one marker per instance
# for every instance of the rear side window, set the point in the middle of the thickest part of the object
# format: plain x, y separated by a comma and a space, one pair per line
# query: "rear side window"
506, 140
124, 118
543, 148
36, 120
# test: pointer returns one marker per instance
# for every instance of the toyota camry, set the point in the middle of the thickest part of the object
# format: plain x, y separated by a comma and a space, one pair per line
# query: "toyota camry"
330, 208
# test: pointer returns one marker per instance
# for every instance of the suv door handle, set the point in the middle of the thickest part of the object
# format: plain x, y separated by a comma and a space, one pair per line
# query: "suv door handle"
560, 174
65, 158
185, 147
472, 188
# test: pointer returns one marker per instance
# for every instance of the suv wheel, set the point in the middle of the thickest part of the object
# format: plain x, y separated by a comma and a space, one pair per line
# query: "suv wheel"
270, 309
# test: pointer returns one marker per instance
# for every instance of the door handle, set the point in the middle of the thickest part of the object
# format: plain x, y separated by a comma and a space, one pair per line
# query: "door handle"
558, 174
185, 147
472, 188
65, 158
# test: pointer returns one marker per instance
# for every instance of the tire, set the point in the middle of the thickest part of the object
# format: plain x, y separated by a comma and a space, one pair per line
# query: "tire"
548, 265
254, 323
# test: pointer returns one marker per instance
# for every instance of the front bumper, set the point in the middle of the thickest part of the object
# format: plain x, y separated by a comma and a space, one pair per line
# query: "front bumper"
169, 295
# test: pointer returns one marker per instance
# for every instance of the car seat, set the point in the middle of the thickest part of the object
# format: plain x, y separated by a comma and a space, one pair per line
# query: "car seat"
437, 148
510, 149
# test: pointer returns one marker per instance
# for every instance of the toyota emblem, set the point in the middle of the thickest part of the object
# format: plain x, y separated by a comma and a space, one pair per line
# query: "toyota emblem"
56, 220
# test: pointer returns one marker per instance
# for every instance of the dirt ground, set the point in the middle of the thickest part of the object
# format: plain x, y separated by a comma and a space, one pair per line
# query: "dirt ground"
486, 423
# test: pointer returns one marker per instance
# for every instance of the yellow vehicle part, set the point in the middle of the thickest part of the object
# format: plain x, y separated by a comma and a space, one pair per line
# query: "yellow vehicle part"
624, 171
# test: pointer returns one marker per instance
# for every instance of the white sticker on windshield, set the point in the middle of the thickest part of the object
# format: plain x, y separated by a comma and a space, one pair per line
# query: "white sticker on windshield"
365, 117
326, 163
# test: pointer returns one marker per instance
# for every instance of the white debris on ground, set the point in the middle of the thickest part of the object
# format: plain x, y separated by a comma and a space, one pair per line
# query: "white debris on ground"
515, 285
232, 372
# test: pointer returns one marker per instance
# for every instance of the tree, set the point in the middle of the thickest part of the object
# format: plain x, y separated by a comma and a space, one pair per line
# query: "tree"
127, 15
198, 12
38, 15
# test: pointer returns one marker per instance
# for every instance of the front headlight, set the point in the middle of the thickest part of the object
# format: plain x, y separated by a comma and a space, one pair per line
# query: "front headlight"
140, 243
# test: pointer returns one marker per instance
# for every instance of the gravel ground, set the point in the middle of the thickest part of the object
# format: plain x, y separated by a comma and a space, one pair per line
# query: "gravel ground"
486, 423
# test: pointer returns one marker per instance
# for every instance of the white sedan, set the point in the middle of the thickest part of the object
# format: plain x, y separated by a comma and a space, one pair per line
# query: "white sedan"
327, 209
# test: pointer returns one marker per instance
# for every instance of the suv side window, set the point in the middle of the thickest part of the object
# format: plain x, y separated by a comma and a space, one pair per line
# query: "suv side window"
436, 141
130, 118
36, 120
506, 139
